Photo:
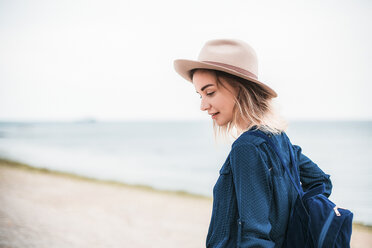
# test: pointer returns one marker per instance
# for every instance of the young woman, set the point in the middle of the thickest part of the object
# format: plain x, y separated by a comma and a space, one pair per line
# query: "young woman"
253, 196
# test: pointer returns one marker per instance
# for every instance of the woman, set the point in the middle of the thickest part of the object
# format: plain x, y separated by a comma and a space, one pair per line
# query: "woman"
253, 195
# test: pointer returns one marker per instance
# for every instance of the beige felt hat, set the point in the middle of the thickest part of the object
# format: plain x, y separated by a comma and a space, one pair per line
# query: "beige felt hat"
232, 56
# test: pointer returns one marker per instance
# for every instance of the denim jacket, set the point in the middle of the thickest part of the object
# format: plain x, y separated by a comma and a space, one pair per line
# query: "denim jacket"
253, 195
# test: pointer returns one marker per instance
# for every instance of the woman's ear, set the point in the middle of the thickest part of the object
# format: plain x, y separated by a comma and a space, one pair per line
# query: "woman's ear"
235, 87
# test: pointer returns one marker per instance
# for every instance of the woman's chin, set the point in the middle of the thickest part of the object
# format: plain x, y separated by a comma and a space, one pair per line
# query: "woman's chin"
220, 123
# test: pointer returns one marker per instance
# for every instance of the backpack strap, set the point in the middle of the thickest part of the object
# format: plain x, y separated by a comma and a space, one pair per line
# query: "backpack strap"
297, 185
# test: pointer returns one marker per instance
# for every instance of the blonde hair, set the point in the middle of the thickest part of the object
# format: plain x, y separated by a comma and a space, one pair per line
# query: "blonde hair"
253, 105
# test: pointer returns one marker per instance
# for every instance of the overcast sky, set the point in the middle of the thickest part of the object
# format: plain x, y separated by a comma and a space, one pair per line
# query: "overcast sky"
113, 59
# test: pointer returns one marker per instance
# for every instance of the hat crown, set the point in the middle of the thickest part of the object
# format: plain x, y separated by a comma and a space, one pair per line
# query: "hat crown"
236, 53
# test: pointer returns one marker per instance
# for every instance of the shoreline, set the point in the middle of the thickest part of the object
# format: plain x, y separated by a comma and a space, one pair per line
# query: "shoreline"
15, 164
44, 208
19, 165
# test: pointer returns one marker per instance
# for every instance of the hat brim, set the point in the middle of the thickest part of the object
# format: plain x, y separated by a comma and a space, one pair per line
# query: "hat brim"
183, 67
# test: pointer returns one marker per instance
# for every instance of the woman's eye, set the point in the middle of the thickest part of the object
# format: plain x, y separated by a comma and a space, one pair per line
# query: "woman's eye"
208, 94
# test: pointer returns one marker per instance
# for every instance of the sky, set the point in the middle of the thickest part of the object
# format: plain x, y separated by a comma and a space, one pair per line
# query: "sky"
112, 60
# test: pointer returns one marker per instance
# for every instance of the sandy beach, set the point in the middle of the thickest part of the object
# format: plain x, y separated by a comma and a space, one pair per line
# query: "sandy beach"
41, 209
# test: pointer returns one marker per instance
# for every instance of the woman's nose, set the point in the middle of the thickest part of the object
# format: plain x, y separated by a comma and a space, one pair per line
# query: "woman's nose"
204, 105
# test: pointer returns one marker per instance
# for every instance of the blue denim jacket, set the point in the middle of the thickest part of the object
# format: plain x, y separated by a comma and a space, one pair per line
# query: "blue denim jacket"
253, 195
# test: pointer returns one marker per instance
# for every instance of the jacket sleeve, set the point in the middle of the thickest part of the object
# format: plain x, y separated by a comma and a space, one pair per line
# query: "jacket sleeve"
310, 173
253, 193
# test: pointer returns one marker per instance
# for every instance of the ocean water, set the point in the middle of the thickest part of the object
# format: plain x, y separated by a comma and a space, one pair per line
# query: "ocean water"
183, 156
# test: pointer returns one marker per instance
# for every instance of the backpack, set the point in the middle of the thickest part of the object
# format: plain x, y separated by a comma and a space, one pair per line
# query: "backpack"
314, 221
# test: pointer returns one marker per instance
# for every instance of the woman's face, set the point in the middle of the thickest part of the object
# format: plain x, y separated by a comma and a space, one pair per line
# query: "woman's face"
216, 100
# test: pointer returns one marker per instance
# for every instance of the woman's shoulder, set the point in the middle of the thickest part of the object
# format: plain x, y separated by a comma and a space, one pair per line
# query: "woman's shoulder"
247, 139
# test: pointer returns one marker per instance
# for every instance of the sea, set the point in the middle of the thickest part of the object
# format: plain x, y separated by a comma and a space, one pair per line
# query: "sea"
185, 156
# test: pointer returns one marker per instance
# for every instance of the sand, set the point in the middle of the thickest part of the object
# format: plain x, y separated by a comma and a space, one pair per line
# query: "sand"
45, 209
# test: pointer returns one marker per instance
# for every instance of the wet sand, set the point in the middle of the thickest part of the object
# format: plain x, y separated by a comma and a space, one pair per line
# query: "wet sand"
46, 209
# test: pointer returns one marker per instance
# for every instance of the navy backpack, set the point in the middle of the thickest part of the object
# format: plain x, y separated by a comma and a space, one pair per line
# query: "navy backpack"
315, 221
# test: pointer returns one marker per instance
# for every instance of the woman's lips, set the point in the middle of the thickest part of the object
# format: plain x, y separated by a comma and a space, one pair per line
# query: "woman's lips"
214, 115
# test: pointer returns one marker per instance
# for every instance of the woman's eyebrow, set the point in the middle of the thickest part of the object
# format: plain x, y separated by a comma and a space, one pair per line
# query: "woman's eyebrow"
205, 86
